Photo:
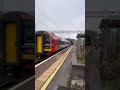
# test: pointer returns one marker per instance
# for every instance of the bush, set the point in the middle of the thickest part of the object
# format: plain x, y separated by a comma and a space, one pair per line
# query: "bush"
81, 58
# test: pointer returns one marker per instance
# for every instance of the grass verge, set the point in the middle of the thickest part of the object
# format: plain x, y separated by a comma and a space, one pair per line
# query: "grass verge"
80, 58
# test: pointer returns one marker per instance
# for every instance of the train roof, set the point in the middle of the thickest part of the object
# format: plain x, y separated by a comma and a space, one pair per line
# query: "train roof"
20, 14
45, 32
40, 32
60, 38
112, 21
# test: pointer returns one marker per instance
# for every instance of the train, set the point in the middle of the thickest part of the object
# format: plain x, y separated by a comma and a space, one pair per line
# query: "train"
17, 41
19, 44
48, 43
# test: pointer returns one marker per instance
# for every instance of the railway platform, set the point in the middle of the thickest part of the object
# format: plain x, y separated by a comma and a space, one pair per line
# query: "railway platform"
61, 76
45, 71
43, 78
54, 73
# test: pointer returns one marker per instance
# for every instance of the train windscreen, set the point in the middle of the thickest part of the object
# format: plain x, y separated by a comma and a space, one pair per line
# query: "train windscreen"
29, 32
29, 37
47, 41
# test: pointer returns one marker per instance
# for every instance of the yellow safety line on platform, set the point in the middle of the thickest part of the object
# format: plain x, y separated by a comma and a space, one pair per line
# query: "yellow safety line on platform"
54, 73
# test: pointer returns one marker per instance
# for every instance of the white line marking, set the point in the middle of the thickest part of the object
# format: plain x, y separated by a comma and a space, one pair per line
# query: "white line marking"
47, 59
20, 84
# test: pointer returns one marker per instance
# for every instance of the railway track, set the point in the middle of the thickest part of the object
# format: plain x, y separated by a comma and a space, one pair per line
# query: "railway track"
38, 60
6, 85
40, 68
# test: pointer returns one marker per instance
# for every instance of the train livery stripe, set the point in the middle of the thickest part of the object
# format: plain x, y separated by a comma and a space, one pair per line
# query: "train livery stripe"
39, 45
28, 56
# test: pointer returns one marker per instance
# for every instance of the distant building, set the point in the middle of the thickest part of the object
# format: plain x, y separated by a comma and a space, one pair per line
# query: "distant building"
80, 42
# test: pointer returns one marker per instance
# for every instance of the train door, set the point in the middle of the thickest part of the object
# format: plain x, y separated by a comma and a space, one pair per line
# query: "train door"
10, 27
39, 45
10, 40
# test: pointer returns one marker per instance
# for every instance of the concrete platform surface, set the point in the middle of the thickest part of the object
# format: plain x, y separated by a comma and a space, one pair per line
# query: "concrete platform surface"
63, 76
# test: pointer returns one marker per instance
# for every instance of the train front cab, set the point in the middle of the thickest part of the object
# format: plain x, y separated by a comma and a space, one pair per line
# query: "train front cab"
43, 44
15, 39
55, 44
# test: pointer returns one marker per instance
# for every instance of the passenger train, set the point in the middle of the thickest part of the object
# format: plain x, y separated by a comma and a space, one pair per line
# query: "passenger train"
17, 40
48, 43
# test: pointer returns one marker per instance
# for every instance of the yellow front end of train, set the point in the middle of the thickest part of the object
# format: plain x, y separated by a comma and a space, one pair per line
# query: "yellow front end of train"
17, 39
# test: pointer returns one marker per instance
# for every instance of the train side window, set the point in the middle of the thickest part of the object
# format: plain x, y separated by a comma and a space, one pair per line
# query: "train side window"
52, 41
47, 39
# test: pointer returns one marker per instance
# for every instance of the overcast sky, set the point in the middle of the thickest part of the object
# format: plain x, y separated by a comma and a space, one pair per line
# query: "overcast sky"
60, 15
